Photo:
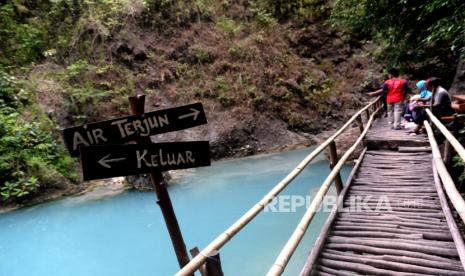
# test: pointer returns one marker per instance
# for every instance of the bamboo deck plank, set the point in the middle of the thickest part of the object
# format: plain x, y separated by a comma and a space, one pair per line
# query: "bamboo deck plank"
391, 221
380, 136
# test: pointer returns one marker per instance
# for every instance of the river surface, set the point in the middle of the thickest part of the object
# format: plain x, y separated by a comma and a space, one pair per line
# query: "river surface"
126, 235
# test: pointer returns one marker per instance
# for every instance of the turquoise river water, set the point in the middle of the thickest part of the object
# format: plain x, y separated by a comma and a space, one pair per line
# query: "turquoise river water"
126, 235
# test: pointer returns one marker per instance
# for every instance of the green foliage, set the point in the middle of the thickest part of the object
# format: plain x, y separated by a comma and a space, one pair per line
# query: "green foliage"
8, 90
458, 163
222, 89
414, 31
316, 94
449, 26
239, 50
229, 26
166, 14
80, 82
29, 155
20, 188
287, 9
264, 18
21, 40
202, 56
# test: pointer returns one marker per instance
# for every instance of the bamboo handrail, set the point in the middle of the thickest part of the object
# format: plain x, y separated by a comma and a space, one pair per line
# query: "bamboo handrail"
299, 232
452, 140
319, 243
447, 181
440, 169
223, 238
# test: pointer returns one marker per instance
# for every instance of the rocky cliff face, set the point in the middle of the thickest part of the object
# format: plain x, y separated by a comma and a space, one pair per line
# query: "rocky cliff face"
265, 85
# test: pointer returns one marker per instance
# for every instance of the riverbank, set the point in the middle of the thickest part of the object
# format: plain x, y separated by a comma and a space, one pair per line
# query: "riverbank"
90, 189
98, 189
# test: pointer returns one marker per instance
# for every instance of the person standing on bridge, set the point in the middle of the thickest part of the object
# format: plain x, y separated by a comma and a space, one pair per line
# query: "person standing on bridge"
396, 90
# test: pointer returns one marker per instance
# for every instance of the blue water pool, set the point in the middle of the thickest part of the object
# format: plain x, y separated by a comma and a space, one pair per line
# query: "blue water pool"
126, 234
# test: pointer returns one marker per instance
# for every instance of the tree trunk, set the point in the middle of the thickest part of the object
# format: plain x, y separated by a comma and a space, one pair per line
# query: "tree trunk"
458, 86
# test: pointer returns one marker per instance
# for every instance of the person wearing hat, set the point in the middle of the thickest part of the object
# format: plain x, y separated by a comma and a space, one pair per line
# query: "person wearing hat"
396, 90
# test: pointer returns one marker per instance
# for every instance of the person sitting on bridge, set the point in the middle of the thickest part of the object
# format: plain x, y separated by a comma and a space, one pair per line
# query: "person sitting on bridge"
425, 94
423, 97
396, 90
441, 104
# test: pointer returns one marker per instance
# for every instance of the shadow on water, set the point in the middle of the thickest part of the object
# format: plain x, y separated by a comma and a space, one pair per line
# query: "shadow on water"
126, 235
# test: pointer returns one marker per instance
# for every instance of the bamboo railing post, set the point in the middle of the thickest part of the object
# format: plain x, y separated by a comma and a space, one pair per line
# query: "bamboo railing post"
367, 113
447, 153
360, 123
194, 252
213, 264
375, 107
332, 162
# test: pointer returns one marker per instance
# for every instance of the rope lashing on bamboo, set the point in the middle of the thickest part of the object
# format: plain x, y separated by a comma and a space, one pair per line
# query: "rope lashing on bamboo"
224, 237
291, 245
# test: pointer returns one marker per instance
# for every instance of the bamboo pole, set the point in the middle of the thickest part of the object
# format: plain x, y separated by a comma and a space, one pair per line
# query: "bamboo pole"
323, 270
194, 252
452, 140
238, 225
458, 240
213, 265
360, 123
387, 251
391, 264
297, 235
456, 266
360, 268
332, 163
447, 153
448, 183
447, 252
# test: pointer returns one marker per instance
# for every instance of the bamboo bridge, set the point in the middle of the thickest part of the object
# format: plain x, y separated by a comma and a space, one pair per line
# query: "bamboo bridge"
396, 214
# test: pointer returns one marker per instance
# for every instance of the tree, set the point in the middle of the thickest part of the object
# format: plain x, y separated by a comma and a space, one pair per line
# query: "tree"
417, 33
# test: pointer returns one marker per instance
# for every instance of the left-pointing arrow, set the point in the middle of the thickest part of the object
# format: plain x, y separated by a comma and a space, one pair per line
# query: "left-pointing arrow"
104, 161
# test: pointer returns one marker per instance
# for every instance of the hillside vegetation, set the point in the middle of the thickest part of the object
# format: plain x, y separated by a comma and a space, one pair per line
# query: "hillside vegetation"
270, 73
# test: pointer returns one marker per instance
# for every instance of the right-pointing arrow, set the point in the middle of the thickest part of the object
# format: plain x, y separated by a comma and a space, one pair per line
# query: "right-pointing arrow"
195, 113
104, 161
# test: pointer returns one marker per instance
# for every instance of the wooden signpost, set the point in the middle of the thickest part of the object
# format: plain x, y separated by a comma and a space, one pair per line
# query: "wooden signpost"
130, 128
103, 155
